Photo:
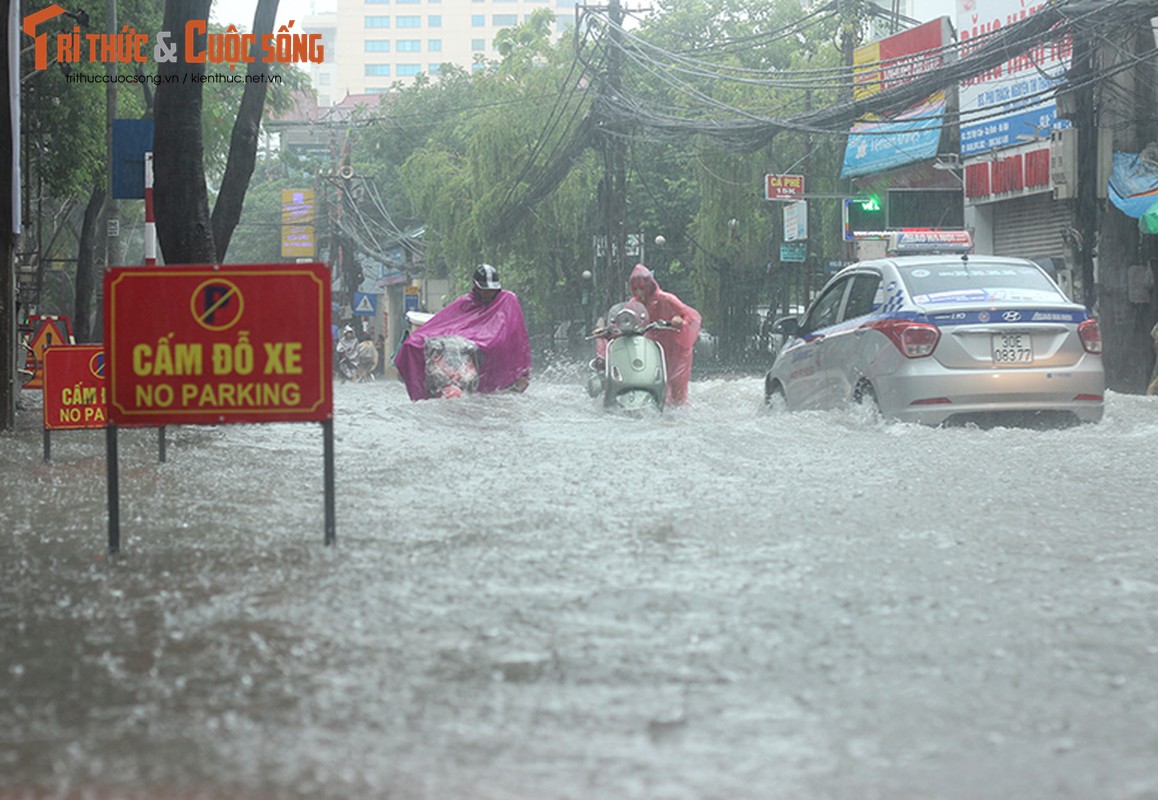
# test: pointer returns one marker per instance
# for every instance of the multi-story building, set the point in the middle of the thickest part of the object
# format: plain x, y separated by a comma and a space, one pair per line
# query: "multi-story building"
374, 45
892, 17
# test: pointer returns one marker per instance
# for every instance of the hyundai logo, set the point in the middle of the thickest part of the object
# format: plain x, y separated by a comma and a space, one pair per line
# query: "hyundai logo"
1011, 316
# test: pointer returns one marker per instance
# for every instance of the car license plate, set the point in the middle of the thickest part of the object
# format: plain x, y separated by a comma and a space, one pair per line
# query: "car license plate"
1010, 349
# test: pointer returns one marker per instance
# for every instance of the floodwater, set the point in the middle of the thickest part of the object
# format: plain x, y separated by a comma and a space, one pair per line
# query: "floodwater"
529, 598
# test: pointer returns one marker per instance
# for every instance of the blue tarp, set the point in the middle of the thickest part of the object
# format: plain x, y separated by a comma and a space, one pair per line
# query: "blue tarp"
1133, 184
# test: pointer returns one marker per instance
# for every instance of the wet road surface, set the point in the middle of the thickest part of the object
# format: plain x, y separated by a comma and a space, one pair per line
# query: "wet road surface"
531, 599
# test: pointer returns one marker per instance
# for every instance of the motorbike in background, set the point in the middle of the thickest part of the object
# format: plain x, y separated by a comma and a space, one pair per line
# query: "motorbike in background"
357, 361
631, 374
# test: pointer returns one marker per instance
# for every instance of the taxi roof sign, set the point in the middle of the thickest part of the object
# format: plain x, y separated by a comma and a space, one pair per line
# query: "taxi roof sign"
920, 241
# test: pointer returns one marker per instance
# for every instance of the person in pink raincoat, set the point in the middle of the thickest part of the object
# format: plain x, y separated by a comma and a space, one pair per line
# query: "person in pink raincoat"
677, 344
489, 317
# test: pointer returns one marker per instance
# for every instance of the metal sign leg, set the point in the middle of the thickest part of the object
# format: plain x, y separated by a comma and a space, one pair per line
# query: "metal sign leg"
328, 479
114, 489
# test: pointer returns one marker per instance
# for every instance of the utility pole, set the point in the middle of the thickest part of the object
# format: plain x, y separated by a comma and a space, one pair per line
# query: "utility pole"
113, 250
9, 147
1084, 120
614, 143
849, 33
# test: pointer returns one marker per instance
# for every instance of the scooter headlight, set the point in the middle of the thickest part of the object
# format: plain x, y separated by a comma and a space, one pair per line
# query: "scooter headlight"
631, 318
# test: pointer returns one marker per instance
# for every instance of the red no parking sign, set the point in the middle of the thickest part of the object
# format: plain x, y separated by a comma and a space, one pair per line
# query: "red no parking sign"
202, 345
214, 344
74, 387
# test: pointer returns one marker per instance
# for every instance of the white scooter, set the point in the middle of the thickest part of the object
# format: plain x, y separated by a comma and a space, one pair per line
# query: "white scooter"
632, 374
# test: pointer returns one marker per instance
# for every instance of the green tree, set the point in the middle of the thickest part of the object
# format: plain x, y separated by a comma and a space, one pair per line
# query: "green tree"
499, 164
464, 155
186, 230
731, 233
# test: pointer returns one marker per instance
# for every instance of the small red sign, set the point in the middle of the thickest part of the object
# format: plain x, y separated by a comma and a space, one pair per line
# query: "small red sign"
783, 187
74, 387
204, 345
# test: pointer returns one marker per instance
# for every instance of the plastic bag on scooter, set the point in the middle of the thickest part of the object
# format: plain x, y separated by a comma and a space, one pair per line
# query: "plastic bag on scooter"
451, 366
497, 329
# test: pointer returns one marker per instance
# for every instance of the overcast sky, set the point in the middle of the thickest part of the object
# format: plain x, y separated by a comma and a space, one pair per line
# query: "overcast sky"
241, 12
926, 10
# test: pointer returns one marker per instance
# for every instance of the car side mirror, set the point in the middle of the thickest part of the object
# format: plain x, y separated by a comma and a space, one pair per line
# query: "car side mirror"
788, 326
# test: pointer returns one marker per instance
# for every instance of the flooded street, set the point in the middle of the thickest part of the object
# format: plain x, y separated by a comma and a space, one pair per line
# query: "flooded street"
531, 599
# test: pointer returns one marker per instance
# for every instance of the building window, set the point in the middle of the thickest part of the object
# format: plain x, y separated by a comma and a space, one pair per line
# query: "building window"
478, 21
377, 22
378, 70
409, 69
407, 1
434, 21
478, 45
409, 45
505, 20
434, 45
377, 45
435, 69
408, 22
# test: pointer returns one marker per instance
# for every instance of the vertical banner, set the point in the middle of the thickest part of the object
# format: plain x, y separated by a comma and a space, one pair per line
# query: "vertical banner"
297, 223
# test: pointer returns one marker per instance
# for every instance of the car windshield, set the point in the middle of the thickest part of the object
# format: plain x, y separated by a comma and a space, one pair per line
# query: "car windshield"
973, 282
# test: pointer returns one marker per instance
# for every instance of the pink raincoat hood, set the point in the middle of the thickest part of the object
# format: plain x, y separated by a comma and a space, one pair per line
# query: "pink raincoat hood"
497, 328
642, 275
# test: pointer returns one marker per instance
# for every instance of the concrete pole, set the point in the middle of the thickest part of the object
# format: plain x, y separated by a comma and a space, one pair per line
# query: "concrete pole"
113, 249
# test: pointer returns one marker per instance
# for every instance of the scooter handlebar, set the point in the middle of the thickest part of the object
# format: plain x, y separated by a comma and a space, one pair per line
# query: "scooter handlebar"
610, 333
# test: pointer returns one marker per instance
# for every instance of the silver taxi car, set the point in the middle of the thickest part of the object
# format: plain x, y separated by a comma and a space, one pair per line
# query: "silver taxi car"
943, 339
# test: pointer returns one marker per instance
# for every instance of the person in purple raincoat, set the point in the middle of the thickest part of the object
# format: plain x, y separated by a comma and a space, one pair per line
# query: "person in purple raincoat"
491, 319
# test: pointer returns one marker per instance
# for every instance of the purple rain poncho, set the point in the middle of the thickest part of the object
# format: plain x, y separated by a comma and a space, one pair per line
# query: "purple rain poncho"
497, 328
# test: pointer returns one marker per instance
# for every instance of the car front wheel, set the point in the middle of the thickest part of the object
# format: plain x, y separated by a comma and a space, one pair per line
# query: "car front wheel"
773, 395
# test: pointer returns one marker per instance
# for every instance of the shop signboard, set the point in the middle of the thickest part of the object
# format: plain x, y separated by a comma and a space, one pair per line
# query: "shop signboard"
1013, 102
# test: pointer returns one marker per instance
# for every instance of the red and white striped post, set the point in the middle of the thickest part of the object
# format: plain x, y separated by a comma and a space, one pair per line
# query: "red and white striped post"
150, 226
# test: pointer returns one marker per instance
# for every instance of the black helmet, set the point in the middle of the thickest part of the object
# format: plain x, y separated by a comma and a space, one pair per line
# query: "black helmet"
486, 277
